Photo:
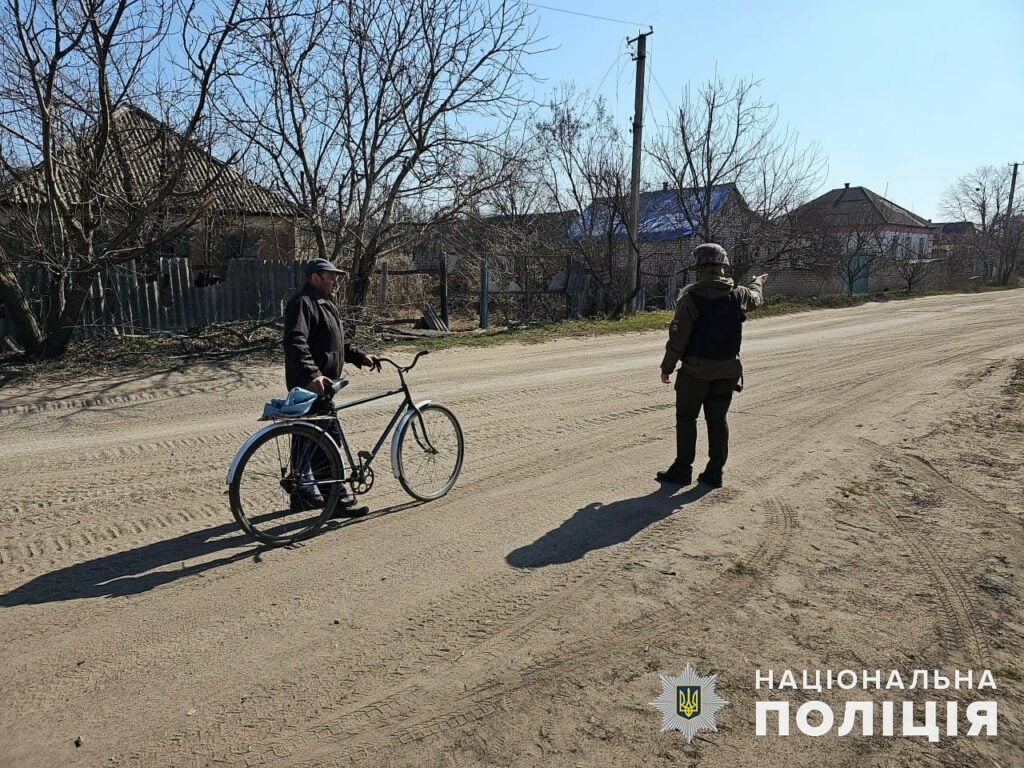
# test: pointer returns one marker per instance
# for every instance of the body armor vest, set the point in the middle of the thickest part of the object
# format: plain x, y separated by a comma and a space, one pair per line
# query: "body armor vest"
718, 332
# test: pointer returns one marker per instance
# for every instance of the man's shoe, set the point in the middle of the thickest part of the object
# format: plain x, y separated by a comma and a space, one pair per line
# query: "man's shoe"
675, 475
303, 500
348, 507
710, 479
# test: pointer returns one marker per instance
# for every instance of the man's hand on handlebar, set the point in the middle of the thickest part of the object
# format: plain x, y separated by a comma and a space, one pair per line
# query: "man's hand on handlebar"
372, 362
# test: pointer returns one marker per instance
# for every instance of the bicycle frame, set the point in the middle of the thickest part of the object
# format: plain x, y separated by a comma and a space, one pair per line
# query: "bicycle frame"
405, 411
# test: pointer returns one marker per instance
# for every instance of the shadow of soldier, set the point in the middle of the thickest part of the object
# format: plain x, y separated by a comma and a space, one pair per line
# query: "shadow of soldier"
598, 525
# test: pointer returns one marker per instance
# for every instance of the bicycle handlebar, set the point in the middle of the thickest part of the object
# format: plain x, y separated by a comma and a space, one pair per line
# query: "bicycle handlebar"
337, 385
410, 366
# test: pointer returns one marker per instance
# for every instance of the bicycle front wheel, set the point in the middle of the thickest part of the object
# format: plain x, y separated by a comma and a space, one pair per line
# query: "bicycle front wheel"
430, 450
287, 484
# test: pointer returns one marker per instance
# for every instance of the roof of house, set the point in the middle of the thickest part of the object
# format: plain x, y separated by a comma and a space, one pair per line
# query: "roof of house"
137, 162
531, 221
662, 213
859, 206
953, 227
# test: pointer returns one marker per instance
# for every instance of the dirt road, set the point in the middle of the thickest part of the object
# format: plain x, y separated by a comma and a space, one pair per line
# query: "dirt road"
872, 519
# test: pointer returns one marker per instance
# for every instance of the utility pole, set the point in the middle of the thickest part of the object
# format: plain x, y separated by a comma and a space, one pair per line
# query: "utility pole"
1004, 268
633, 262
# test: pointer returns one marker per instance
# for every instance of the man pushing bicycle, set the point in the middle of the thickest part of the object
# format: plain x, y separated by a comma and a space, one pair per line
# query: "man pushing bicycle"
315, 352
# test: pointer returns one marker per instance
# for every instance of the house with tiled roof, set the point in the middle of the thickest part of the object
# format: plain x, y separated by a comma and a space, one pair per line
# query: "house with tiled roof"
241, 218
854, 238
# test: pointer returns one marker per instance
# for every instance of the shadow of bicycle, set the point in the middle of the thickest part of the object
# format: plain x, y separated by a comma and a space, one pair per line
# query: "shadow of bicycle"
139, 570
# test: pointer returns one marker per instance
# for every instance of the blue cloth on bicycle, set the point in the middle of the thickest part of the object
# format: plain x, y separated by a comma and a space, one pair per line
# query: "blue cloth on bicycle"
298, 403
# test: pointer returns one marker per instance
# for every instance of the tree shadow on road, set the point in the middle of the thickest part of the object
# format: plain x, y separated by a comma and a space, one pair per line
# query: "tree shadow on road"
141, 569
598, 525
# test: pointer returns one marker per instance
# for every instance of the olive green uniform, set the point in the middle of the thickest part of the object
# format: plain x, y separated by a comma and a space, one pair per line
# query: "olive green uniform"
703, 382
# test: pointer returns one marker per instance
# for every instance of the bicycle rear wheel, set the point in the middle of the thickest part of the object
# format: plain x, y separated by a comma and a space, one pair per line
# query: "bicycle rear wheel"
287, 484
430, 451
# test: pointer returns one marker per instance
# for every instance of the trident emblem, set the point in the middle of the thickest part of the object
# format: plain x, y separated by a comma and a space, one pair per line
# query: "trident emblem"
688, 704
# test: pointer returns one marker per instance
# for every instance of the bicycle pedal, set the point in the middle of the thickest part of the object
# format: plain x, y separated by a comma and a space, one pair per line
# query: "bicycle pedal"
365, 455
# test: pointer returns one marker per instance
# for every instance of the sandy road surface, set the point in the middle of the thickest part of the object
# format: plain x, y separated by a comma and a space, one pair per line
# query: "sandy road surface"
872, 519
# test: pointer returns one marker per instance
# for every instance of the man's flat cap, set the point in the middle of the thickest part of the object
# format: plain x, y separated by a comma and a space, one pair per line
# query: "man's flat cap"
321, 265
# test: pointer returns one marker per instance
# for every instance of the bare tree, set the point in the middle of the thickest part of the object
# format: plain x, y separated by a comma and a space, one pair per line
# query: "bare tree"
723, 135
912, 266
380, 117
70, 133
982, 197
521, 232
589, 173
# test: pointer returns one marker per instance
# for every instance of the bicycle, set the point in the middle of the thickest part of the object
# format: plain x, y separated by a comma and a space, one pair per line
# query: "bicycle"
287, 479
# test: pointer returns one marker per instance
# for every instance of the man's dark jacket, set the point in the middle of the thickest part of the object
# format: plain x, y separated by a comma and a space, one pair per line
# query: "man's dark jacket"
314, 340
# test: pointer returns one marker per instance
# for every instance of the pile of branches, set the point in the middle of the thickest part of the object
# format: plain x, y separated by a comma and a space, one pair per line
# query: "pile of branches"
160, 351
243, 340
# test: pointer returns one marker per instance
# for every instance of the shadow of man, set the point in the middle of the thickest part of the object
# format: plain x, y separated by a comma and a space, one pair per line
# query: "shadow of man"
600, 525
135, 570
141, 569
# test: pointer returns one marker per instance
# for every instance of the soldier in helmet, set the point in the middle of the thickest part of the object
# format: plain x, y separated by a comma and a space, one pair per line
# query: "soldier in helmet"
705, 335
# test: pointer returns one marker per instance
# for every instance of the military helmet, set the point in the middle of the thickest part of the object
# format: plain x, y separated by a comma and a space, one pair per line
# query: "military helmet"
710, 254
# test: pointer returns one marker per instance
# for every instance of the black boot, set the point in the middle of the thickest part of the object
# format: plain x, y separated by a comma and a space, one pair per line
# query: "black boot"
710, 478
676, 474
348, 507
304, 499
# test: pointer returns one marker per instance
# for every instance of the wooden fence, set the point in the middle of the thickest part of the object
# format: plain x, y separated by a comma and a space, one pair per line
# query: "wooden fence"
125, 300
122, 300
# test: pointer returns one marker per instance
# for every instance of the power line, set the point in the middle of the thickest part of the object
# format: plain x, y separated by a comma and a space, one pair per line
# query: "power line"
650, 103
588, 15
617, 60
662, 90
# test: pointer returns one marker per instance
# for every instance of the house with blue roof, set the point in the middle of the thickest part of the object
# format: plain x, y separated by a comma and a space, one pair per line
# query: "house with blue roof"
672, 222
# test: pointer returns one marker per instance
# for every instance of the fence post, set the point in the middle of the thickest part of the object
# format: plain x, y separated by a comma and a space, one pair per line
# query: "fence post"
484, 282
274, 299
99, 307
444, 287
132, 279
526, 287
383, 298
177, 308
188, 293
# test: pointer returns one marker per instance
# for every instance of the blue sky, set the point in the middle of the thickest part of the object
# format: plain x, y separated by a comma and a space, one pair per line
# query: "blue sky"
902, 96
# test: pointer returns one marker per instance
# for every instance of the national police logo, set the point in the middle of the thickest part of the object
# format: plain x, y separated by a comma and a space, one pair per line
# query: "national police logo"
688, 703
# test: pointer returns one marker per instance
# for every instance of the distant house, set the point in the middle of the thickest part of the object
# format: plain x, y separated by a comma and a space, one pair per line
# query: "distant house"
957, 244
854, 237
245, 219
670, 224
